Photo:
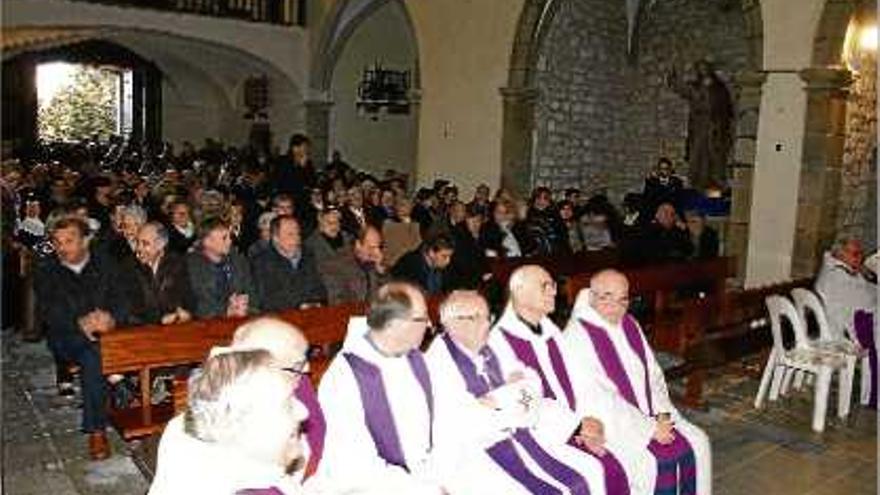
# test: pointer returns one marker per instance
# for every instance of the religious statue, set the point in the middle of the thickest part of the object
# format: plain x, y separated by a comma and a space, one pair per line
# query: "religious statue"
710, 125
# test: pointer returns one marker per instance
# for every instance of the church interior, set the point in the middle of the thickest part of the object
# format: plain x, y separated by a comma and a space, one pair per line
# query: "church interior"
465, 147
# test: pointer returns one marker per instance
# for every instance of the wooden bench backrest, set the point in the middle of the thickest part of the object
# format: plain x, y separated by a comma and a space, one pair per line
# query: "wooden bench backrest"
667, 277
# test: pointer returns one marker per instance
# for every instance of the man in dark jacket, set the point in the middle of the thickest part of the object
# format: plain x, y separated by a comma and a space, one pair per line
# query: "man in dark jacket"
358, 272
77, 301
220, 278
164, 294
286, 275
666, 239
424, 266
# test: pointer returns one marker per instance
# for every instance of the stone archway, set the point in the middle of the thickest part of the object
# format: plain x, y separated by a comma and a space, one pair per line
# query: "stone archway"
342, 21
827, 83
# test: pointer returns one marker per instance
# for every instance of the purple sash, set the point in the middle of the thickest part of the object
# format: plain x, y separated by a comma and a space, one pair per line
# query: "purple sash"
612, 364
526, 353
314, 427
676, 465
863, 323
503, 452
377, 409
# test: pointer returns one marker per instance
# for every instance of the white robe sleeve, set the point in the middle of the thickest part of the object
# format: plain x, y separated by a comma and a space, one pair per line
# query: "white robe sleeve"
600, 398
350, 461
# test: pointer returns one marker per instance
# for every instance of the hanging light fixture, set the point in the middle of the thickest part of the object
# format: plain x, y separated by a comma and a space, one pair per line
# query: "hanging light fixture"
383, 90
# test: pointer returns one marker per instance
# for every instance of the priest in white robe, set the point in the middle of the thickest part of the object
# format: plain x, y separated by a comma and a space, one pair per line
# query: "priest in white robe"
609, 346
485, 407
378, 403
525, 336
850, 301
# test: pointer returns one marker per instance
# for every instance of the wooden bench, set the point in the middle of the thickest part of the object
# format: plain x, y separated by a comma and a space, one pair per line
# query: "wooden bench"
145, 349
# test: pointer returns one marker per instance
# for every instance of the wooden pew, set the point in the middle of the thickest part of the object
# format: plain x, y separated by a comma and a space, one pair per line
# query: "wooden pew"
145, 349
559, 267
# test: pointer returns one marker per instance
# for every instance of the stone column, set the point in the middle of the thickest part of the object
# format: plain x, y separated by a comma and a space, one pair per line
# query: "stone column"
318, 129
820, 179
516, 139
748, 101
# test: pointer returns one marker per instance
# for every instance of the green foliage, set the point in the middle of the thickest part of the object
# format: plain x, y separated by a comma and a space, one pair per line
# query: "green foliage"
85, 107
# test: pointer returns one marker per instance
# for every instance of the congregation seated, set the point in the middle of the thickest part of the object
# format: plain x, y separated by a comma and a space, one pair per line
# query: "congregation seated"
469, 267
163, 290
286, 275
181, 229
664, 239
219, 276
503, 236
358, 271
77, 301
426, 265
703, 238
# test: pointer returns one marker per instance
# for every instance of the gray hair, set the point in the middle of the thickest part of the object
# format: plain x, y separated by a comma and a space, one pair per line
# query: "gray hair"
160, 230
134, 211
216, 399
393, 301
265, 219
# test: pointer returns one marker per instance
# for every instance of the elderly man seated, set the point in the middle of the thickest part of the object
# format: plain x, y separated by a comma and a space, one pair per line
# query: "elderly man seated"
484, 407
239, 433
850, 299
646, 429
525, 336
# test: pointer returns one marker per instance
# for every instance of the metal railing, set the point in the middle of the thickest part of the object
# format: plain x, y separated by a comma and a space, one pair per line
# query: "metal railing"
283, 12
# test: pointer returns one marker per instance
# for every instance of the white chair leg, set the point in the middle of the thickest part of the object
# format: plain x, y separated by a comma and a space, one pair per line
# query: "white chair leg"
800, 377
820, 398
765, 380
845, 378
779, 373
787, 379
865, 386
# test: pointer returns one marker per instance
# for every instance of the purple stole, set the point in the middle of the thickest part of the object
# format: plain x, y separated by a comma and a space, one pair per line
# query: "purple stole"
616, 482
314, 427
676, 465
863, 323
503, 452
377, 409
526, 353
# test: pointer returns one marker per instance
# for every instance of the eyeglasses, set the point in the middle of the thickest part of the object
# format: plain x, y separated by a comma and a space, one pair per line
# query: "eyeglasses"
298, 368
609, 298
474, 317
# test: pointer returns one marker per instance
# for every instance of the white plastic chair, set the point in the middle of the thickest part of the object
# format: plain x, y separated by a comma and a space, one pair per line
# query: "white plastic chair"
807, 302
802, 357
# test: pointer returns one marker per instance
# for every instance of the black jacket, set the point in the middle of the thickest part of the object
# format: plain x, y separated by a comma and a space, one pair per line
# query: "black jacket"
163, 292
413, 267
468, 261
211, 293
63, 296
280, 286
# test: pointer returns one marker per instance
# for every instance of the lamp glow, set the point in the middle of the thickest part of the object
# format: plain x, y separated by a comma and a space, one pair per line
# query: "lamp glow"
868, 38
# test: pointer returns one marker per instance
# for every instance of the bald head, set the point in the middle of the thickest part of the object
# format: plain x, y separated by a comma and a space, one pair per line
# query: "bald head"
609, 295
284, 341
532, 292
465, 316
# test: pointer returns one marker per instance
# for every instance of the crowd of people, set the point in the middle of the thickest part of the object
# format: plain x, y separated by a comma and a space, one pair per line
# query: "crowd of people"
115, 235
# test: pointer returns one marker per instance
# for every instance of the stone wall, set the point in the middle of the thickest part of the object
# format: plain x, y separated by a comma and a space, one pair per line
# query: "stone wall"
603, 117
857, 212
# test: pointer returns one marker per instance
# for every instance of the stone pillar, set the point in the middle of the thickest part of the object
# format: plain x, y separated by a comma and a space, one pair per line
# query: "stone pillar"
516, 139
748, 101
318, 129
820, 180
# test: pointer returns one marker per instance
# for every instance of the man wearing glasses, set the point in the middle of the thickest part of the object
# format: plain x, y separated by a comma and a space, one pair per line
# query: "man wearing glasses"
493, 411
379, 403
645, 428
525, 336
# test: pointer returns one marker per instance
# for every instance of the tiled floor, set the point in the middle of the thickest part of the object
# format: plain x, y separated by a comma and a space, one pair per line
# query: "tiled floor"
771, 451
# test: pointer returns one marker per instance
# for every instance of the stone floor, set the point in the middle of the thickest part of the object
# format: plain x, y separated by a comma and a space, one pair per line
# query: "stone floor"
770, 451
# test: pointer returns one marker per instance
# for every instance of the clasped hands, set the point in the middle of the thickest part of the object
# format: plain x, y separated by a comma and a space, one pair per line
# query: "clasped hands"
96, 322
664, 433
